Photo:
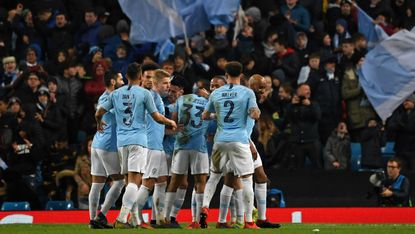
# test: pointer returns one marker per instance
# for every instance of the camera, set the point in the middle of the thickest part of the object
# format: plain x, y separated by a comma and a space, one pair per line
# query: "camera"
377, 178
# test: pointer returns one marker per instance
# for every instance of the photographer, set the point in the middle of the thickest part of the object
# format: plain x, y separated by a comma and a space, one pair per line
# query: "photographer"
303, 116
393, 189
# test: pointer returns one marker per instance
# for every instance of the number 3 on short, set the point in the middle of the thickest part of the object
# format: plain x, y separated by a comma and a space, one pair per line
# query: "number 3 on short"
228, 118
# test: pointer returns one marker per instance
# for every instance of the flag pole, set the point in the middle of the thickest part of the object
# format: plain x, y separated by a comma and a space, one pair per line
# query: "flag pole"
186, 39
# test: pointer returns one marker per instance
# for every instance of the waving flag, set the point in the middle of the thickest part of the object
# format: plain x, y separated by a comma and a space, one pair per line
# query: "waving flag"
221, 12
388, 73
374, 34
158, 20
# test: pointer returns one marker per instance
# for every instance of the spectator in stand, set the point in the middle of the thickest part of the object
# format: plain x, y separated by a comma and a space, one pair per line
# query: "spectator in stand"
60, 37
9, 76
8, 128
55, 65
325, 89
409, 21
325, 46
337, 152
360, 45
302, 48
297, 15
70, 85
312, 67
31, 63
347, 14
22, 24
372, 139
303, 115
402, 124
341, 34
88, 33
257, 22
285, 59
27, 91
122, 60
348, 55
383, 20
359, 110
15, 107
48, 115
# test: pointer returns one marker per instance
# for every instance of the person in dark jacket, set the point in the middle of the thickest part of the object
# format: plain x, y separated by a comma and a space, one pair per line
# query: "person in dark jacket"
372, 140
88, 33
337, 151
48, 115
285, 59
303, 115
325, 89
60, 37
402, 123
71, 86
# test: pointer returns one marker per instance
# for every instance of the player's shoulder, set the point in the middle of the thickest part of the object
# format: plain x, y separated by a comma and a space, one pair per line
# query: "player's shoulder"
104, 97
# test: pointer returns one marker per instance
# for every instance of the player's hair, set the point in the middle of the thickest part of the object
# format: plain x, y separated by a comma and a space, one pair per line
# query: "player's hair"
149, 67
110, 75
219, 77
134, 71
397, 160
160, 74
233, 69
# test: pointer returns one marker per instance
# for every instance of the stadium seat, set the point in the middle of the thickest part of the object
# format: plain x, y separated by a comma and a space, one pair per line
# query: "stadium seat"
388, 150
59, 205
356, 156
275, 196
9, 206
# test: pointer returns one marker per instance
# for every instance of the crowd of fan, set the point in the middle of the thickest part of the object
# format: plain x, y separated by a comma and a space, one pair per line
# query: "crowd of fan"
54, 55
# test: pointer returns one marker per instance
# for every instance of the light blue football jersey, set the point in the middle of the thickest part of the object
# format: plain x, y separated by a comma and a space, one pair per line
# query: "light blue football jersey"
155, 131
130, 104
232, 104
189, 109
168, 141
106, 140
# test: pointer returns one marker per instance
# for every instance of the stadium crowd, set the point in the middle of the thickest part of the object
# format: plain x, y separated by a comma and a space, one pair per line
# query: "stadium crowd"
55, 53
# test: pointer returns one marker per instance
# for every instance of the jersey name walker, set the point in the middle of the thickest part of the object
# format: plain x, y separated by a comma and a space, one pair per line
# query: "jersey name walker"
231, 104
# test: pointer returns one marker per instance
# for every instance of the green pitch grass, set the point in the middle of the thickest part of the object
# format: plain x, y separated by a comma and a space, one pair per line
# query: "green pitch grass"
286, 228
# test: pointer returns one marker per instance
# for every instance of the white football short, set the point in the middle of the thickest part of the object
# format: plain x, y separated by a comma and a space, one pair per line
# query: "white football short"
156, 164
183, 159
133, 158
232, 157
104, 163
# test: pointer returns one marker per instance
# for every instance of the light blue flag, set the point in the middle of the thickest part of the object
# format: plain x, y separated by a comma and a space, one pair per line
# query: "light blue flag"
158, 20
221, 12
373, 33
164, 49
388, 73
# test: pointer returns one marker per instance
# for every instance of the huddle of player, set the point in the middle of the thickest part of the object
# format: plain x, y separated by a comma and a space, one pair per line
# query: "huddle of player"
153, 130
